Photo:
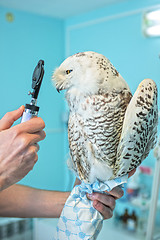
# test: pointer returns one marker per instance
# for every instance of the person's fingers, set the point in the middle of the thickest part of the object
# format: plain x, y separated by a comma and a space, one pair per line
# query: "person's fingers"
26, 139
117, 192
31, 153
10, 117
36, 137
131, 173
37, 147
103, 198
33, 125
106, 211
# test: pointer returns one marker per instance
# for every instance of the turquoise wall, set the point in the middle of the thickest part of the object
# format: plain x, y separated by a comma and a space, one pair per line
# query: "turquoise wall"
22, 43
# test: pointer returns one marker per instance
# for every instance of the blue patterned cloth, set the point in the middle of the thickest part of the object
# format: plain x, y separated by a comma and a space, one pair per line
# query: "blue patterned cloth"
79, 219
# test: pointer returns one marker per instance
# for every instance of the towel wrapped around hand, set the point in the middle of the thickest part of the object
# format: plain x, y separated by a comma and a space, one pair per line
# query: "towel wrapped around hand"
79, 219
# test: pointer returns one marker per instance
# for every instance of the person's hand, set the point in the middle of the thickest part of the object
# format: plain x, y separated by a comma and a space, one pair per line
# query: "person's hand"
105, 202
18, 146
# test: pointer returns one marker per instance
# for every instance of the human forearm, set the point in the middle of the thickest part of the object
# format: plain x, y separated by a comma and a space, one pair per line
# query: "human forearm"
22, 201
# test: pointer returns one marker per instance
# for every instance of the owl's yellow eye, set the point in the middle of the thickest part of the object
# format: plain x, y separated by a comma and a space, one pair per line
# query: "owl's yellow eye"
68, 71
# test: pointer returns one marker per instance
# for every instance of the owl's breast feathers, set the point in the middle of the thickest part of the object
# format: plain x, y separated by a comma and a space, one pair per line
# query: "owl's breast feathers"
94, 132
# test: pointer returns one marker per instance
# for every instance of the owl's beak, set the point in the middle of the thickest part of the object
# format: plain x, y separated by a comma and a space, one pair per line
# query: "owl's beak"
58, 90
59, 87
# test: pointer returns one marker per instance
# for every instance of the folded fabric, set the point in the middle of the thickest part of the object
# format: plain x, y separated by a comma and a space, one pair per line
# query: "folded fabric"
79, 219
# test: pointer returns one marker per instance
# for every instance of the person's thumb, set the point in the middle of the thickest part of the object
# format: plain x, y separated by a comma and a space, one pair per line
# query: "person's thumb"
10, 117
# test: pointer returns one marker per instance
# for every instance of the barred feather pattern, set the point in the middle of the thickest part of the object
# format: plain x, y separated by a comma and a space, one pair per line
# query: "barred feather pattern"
94, 132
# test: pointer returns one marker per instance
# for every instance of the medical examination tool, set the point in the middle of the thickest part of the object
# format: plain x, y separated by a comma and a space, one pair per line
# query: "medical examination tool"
32, 109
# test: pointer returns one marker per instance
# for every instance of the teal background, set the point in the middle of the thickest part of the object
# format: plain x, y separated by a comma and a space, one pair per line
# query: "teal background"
115, 31
22, 43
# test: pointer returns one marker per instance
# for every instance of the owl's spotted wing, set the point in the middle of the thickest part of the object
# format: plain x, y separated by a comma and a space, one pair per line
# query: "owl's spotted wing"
139, 128
94, 132
78, 152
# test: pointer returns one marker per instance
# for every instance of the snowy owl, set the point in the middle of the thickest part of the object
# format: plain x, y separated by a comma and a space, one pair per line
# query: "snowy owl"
109, 131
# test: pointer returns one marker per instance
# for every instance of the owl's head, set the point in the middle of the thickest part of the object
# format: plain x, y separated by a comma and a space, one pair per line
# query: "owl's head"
88, 73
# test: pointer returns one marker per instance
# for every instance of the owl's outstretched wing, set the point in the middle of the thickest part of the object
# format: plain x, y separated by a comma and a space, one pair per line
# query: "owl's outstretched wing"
94, 132
139, 128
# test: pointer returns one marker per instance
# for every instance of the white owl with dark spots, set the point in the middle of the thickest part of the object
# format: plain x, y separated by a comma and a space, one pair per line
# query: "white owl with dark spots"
110, 131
